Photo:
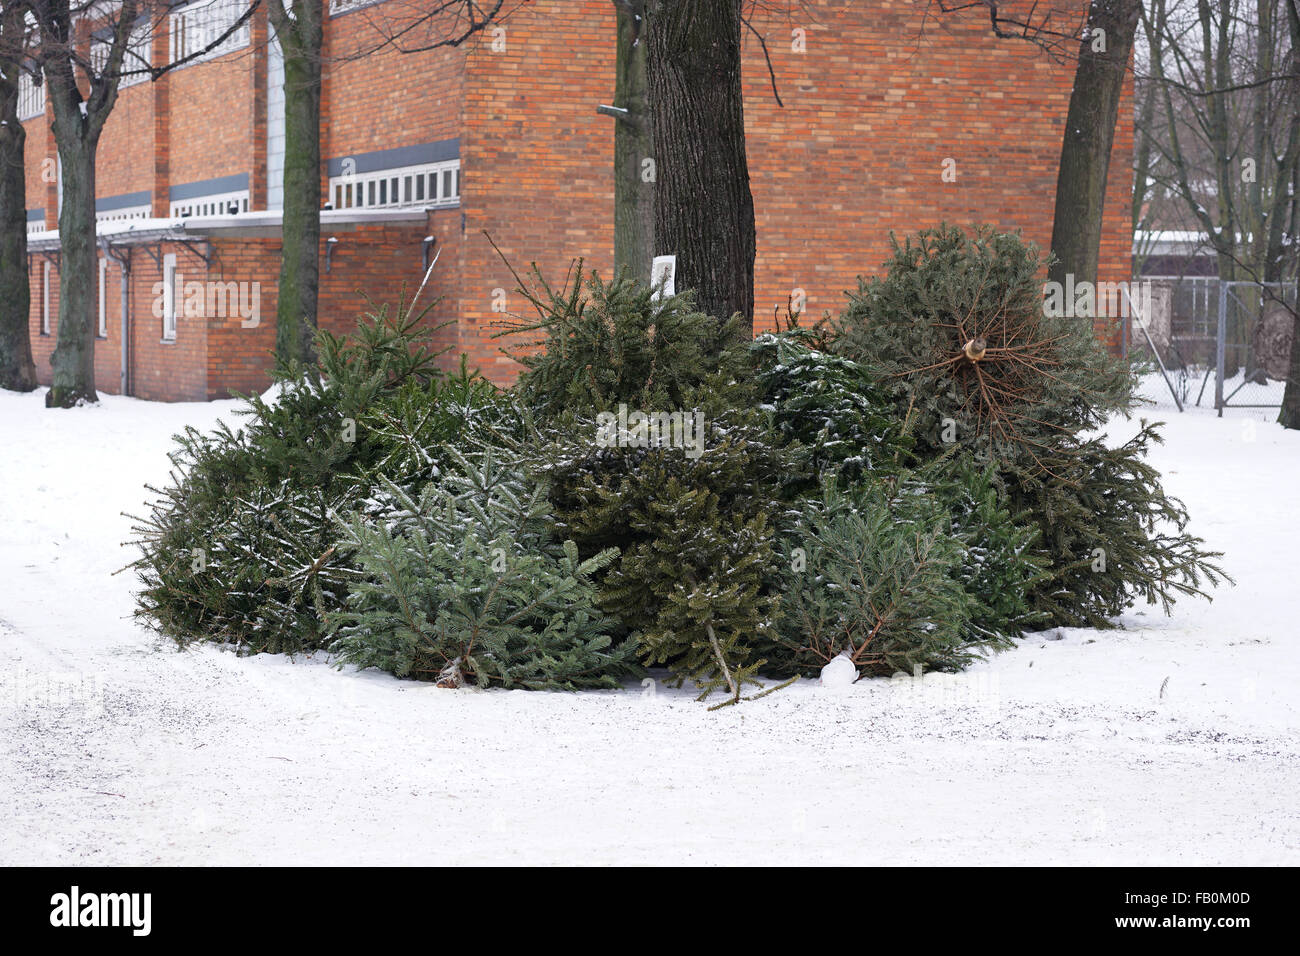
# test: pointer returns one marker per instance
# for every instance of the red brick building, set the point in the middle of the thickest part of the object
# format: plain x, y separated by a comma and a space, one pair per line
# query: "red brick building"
502, 134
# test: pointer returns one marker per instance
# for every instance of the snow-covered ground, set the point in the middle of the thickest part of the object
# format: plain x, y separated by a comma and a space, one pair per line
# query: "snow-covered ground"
1173, 741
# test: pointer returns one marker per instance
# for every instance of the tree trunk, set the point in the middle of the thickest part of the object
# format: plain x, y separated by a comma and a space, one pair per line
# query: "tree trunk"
1289, 416
1089, 134
704, 212
1144, 152
78, 122
74, 352
17, 370
296, 308
633, 192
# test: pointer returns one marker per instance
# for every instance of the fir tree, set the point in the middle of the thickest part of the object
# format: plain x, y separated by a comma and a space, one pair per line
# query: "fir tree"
239, 547
864, 581
1112, 535
595, 344
692, 582
1001, 562
829, 411
464, 585
956, 332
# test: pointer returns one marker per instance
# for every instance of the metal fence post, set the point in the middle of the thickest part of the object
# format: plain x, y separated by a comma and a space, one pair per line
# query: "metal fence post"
1221, 339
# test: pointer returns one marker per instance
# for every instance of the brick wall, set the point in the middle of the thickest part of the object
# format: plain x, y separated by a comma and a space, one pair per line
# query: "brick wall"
43, 342
124, 163
163, 371
873, 107
536, 162
211, 123
444, 292
39, 148
172, 371
871, 111
377, 263
377, 97
215, 354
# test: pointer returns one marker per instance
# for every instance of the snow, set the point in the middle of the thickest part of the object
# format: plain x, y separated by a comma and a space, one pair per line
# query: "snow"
1173, 741
839, 673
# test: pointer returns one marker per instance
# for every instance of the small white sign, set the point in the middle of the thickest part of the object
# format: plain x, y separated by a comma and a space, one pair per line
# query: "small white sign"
663, 276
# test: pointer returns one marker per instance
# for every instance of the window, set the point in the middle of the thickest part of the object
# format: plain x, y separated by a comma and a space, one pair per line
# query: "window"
432, 184
198, 25
31, 97
219, 204
103, 298
169, 298
125, 212
136, 58
45, 300
343, 6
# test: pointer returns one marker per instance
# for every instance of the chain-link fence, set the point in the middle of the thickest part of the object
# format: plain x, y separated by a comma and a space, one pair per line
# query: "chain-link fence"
1216, 344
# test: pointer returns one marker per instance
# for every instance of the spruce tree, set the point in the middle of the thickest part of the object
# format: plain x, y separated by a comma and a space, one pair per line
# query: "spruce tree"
596, 344
240, 546
957, 335
464, 585
691, 585
955, 331
864, 581
1113, 535
828, 410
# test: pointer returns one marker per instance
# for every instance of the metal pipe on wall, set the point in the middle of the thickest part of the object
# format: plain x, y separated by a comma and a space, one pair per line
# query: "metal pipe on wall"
124, 263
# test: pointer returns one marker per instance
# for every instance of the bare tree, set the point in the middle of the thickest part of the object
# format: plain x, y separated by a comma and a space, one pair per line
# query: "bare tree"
1100, 47
633, 146
17, 370
1289, 416
78, 122
298, 24
1226, 129
1144, 153
1225, 134
81, 51
703, 207
1099, 78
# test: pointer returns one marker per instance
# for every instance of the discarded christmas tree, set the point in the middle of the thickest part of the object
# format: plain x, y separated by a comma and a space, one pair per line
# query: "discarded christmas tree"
957, 333
595, 344
240, 547
864, 582
466, 585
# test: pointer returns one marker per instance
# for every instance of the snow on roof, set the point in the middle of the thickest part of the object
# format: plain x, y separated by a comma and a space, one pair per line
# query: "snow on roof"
124, 231
1170, 242
1168, 235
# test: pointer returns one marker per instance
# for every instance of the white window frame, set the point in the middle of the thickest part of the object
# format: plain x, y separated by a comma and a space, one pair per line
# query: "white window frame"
217, 204
169, 298
402, 187
103, 297
31, 97
344, 6
45, 299
197, 24
143, 211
